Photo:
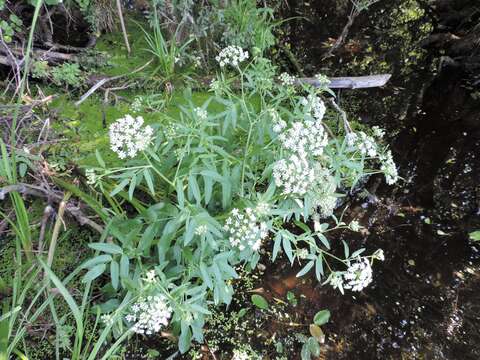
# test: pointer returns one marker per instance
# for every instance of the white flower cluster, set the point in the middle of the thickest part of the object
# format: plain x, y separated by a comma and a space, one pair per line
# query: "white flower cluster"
202, 114
127, 137
137, 104
91, 176
357, 277
362, 142
378, 132
245, 230
294, 174
240, 355
389, 168
323, 192
286, 79
201, 230
314, 106
232, 55
304, 138
149, 315
150, 277
323, 80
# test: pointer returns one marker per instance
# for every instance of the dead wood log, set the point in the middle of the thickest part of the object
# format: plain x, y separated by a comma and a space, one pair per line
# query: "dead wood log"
349, 82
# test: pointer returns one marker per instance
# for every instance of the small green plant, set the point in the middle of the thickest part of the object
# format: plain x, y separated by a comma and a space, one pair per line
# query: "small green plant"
67, 74
167, 53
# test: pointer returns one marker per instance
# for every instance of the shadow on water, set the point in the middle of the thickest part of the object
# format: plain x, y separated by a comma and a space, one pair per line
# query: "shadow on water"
424, 302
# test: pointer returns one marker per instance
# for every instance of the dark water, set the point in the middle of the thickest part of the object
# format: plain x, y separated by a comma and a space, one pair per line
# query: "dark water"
425, 299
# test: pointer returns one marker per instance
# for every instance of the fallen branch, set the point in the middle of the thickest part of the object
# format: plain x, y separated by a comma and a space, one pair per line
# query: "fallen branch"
57, 197
349, 82
104, 80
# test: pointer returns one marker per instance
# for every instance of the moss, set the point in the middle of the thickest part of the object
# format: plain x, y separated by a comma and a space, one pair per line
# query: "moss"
84, 131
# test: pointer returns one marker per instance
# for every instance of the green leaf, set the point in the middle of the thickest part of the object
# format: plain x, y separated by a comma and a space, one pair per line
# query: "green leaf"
124, 266
259, 301
119, 187
100, 159
321, 317
101, 259
314, 346
193, 186
475, 236
346, 250
106, 247
147, 237
205, 276
317, 333
305, 353
306, 268
114, 274
148, 178
131, 188
276, 245
319, 267
65, 294
287, 247
94, 272
184, 339
180, 193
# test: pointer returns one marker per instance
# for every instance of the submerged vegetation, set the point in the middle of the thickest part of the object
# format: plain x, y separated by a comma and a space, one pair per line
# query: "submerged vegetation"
162, 167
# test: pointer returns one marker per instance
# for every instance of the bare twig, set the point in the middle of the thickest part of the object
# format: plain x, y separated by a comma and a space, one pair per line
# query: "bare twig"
55, 196
343, 114
122, 24
103, 81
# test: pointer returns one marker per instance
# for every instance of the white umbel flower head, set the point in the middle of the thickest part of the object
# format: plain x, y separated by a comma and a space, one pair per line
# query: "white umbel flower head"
232, 55
128, 136
294, 175
286, 79
201, 114
149, 315
244, 230
358, 275
314, 106
305, 138
389, 168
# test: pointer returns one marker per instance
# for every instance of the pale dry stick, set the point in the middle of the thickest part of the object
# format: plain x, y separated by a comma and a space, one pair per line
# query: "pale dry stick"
343, 114
105, 80
122, 24
56, 229
46, 215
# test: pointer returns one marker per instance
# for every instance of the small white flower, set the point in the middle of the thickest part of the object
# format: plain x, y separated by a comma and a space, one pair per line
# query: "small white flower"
286, 79
137, 104
107, 319
389, 168
201, 230
358, 275
379, 255
323, 80
128, 137
262, 209
314, 106
91, 176
294, 174
149, 315
355, 225
202, 114
232, 55
302, 253
240, 355
244, 230
378, 132
150, 277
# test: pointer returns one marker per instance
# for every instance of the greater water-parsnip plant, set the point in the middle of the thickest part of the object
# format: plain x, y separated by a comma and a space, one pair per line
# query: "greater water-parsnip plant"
213, 190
